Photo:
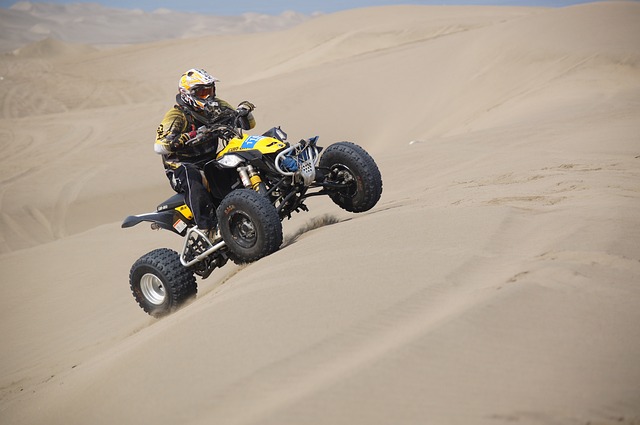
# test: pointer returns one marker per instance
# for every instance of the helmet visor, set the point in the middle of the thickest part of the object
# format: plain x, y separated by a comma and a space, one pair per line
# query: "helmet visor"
205, 92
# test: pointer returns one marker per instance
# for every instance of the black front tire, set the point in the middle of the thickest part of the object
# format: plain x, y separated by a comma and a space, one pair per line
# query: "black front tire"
250, 226
348, 163
160, 283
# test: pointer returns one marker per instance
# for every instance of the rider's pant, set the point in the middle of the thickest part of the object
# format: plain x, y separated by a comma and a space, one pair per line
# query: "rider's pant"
187, 179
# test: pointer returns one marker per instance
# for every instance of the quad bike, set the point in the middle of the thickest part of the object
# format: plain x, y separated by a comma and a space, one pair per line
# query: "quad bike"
256, 182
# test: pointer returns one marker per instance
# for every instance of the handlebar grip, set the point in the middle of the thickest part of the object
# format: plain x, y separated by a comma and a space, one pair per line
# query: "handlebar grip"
193, 140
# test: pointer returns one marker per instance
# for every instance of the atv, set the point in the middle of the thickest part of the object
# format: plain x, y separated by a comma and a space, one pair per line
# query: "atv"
256, 182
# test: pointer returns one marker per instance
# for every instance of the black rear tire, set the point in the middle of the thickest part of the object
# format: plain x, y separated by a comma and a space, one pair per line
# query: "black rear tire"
160, 283
349, 163
250, 226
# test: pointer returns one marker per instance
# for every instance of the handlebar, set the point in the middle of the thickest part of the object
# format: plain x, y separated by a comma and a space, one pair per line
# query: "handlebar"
220, 126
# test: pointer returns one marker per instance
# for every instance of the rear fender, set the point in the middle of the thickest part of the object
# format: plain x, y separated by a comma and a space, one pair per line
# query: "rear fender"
169, 220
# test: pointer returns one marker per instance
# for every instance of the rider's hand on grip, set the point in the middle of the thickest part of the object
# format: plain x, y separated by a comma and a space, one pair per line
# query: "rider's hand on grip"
244, 108
187, 137
196, 137
184, 139
247, 105
175, 141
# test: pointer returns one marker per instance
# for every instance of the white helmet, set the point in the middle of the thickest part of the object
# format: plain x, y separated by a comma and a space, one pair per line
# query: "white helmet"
197, 88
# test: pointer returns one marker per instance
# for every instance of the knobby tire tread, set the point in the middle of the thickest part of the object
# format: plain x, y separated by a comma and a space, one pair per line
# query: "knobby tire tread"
369, 172
266, 214
180, 283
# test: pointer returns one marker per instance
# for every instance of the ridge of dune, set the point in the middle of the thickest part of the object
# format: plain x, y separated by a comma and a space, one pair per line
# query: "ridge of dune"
496, 280
324, 40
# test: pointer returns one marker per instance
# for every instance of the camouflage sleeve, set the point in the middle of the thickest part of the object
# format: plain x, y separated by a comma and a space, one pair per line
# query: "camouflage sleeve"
170, 130
224, 103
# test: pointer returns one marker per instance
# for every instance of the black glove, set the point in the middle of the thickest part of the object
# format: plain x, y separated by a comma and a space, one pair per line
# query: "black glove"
244, 108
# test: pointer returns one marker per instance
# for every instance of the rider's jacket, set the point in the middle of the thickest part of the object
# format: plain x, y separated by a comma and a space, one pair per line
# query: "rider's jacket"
174, 130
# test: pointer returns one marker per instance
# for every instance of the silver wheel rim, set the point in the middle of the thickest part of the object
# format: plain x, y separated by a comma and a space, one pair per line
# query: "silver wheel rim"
153, 289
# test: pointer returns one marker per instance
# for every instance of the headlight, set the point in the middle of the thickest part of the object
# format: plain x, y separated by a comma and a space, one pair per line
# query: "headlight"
230, 160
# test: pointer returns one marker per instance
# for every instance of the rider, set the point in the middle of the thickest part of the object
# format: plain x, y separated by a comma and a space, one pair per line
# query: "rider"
196, 105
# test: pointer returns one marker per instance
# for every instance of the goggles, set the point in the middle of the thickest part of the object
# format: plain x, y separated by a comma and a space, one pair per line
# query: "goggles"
204, 92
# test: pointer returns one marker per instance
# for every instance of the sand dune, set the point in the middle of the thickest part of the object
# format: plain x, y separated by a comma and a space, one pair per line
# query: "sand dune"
496, 281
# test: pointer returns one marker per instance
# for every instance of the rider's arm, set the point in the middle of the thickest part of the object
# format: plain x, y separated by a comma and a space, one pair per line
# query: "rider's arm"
247, 122
171, 132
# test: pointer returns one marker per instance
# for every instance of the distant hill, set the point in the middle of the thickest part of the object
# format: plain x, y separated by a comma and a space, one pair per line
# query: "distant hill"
89, 23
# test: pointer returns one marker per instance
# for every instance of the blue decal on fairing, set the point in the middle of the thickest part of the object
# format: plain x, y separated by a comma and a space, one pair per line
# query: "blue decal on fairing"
250, 142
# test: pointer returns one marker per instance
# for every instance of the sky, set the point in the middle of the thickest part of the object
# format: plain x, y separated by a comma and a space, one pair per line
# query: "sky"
276, 7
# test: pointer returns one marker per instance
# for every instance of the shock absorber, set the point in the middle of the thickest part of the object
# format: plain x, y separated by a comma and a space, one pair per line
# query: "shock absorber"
251, 179
244, 176
254, 178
